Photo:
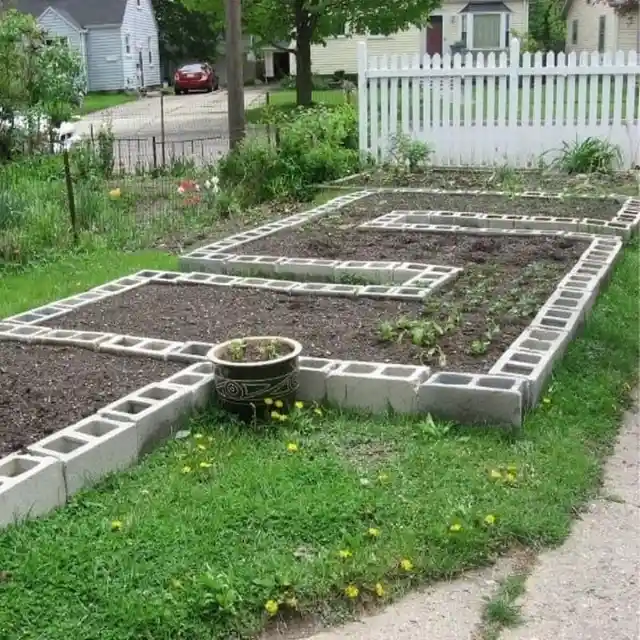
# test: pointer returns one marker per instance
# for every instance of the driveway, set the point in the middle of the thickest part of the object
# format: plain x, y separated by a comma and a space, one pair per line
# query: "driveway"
195, 127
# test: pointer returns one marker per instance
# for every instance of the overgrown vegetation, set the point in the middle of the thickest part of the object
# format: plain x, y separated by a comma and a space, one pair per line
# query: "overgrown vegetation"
591, 155
323, 513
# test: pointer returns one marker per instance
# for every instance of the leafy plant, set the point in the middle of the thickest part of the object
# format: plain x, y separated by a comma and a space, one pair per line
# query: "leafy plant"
592, 155
408, 154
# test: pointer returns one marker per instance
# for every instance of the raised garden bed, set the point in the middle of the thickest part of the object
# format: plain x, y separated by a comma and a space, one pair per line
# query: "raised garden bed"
45, 388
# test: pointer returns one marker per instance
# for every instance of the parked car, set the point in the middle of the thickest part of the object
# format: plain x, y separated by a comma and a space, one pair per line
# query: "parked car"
198, 76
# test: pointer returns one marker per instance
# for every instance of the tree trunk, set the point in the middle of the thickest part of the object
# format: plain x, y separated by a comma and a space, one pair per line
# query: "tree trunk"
304, 34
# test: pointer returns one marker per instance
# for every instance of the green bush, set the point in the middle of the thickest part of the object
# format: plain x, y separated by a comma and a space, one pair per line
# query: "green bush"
315, 146
592, 155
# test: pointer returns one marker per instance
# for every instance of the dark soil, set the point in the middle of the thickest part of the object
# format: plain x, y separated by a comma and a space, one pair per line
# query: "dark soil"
255, 351
466, 327
337, 236
505, 180
46, 388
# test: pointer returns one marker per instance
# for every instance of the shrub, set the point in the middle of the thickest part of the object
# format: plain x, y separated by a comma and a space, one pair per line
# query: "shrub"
592, 155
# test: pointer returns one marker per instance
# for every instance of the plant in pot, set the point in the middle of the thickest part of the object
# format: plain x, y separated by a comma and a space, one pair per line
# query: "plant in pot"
249, 370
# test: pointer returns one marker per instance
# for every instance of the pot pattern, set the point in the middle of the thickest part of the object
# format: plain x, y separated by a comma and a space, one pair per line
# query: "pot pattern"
235, 390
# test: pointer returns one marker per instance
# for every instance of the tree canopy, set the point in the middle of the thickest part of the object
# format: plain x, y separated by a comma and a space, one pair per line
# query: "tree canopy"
306, 22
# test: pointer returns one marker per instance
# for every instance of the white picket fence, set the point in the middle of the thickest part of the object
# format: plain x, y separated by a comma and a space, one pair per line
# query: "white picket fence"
511, 109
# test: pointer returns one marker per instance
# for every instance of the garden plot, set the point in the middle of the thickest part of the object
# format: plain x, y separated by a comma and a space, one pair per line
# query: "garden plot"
45, 388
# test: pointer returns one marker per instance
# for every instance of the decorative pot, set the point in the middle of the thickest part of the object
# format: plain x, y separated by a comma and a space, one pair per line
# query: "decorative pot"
242, 384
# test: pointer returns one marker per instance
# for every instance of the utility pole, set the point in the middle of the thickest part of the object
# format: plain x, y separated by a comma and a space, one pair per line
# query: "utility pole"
235, 79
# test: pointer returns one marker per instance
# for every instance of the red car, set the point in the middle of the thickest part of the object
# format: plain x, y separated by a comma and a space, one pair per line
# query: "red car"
198, 76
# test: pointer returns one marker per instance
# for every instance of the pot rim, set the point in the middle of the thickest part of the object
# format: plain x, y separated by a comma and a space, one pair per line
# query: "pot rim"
213, 353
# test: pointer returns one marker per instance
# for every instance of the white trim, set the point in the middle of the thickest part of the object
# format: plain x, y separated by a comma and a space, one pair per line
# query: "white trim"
468, 19
59, 15
126, 39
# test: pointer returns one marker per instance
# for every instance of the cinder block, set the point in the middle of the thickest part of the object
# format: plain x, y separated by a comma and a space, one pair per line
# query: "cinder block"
407, 270
190, 352
371, 272
576, 300
195, 277
22, 332
204, 262
328, 289
39, 315
307, 267
30, 486
284, 286
90, 449
198, 380
375, 387
558, 319
252, 283
544, 341
473, 399
157, 410
223, 281
246, 265
167, 276
312, 378
86, 339
6, 326
133, 345
407, 293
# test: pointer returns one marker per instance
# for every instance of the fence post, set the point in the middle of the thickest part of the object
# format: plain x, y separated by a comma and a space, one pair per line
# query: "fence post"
514, 84
70, 196
155, 152
162, 137
363, 100
267, 102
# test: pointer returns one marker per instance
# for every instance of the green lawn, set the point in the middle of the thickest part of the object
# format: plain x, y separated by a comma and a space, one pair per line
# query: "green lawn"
285, 102
204, 534
98, 101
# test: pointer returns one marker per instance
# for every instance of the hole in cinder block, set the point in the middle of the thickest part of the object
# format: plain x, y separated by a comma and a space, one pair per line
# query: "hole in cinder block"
314, 363
16, 466
309, 286
48, 311
88, 336
205, 368
196, 348
495, 383
148, 274
535, 345
169, 276
154, 345
360, 367
342, 287
26, 331
132, 407
554, 323
528, 358
451, 378
558, 313
520, 369
28, 317
127, 282
222, 279
541, 334
398, 371
64, 444
62, 333
376, 289
96, 428
354, 263
111, 287
187, 379
126, 341
157, 393
199, 277
571, 294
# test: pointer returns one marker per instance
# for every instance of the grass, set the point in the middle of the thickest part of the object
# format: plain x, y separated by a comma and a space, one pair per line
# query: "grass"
99, 101
178, 549
285, 102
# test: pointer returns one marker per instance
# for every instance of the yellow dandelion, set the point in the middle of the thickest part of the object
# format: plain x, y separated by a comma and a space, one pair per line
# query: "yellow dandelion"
268, 401
455, 527
546, 400
205, 465
345, 553
512, 469
373, 532
198, 436
186, 469
283, 417
299, 405
275, 415
495, 474
351, 591
116, 525
383, 477
317, 411
406, 564
202, 447
114, 194
279, 404
379, 589
271, 607
510, 477
292, 447
490, 519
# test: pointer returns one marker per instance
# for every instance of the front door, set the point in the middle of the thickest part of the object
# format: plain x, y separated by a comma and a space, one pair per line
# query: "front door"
434, 36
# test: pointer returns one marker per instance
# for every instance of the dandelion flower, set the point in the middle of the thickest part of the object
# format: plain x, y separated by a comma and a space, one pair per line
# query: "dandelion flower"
271, 607
345, 553
317, 411
495, 474
283, 417
114, 194
489, 519
510, 477
268, 401
455, 527
299, 405
546, 400
351, 591
512, 469
275, 415
383, 477
379, 589
205, 465
406, 564
116, 525
373, 532
198, 436
292, 447
186, 469
279, 404
202, 447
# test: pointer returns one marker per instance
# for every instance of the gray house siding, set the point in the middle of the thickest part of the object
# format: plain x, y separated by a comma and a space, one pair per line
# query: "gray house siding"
104, 59
139, 24
56, 26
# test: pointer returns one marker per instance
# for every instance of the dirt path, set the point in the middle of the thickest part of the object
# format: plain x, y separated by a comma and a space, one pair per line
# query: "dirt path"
588, 589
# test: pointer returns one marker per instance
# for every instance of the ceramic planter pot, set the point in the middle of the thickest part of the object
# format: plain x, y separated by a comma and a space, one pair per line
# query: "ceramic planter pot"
242, 384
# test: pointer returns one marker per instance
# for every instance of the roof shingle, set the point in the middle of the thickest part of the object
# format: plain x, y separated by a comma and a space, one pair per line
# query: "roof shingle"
84, 12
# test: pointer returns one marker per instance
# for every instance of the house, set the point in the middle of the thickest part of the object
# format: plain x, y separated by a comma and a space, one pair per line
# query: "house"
598, 26
482, 25
117, 39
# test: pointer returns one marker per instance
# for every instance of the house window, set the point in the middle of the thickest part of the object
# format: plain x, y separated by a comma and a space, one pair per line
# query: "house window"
57, 40
574, 32
485, 24
138, 2
127, 43
602, 27
463, 31
149, 49
487, 31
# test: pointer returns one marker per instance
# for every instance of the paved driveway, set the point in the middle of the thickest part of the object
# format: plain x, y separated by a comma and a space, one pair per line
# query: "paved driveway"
195, 127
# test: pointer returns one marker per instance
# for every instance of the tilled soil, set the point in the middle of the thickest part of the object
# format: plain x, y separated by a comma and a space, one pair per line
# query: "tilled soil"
473, 321
45, 388
505, 180
337, 237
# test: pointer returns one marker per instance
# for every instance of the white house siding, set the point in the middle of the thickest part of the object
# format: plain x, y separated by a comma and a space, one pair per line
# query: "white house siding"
629, 32
57, 26
341, 52
588, 17
104, 55
140, 25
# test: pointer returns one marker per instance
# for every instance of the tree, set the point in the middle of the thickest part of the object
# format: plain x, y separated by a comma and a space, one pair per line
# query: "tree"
547, 25
307, 22
187, 34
